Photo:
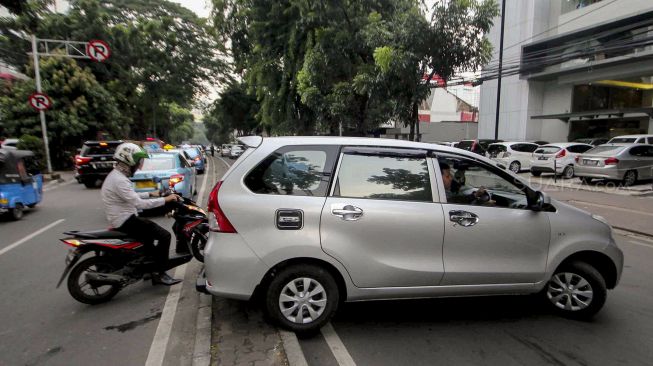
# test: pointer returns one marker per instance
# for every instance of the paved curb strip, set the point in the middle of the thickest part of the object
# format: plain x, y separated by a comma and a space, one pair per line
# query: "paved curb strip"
292, 348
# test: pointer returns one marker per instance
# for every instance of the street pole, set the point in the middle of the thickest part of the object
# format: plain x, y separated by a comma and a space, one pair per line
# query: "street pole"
503, 21
41, 112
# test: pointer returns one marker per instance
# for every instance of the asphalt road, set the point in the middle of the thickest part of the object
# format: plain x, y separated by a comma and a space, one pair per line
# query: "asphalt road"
42, 325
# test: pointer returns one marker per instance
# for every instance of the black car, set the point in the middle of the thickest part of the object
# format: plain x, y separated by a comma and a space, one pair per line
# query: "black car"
95, 161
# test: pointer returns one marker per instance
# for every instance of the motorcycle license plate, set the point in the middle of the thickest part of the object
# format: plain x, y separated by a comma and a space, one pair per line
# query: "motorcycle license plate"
145, 184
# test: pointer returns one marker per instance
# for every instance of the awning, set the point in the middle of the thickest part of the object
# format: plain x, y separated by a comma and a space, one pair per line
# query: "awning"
600, 114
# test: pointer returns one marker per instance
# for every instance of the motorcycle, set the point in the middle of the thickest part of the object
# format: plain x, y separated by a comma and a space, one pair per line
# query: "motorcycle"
117, 261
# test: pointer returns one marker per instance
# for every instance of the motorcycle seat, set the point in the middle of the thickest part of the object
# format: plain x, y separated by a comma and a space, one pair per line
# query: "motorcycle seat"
98, 234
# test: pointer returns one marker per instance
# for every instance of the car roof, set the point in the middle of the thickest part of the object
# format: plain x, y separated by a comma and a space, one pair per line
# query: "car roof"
565, 144
506, 143
644, 135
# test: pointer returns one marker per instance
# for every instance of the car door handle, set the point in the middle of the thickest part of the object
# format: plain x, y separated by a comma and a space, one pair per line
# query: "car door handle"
347, 213
463, 218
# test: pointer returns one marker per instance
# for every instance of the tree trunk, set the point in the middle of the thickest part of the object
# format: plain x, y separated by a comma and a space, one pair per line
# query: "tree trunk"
411, 135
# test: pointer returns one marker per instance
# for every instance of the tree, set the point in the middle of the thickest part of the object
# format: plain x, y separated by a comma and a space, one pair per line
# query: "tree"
316, 65
235, 110
81, 108
161, 53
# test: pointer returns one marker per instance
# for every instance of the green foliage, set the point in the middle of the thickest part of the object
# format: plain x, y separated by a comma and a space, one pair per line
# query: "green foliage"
81, 109
235, 110
34, 144
161, 53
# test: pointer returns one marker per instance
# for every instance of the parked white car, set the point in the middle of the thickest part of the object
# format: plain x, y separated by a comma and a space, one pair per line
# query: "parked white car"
632, 139
515, 156
558, 158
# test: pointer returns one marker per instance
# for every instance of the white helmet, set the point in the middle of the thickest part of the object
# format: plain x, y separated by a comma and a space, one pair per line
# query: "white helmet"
129, 153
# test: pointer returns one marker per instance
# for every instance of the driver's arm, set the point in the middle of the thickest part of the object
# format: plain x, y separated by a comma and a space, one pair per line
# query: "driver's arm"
127, 192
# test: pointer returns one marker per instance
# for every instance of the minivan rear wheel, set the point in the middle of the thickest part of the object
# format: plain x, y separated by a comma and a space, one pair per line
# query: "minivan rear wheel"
576, 290
302, 298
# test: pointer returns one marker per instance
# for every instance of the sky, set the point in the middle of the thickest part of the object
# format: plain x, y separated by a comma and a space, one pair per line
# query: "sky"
200, 7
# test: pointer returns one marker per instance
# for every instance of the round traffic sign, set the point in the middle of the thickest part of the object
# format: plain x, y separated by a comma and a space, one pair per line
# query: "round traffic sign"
98, 50
40, 101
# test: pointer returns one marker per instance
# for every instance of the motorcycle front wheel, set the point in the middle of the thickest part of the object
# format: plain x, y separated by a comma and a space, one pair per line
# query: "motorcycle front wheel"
197, 244
87, 292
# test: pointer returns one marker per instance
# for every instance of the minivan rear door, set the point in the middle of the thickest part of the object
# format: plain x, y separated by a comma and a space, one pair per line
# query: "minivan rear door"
380, 220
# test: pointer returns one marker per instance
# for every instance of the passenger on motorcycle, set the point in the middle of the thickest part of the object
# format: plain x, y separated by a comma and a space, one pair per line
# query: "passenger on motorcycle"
121, 203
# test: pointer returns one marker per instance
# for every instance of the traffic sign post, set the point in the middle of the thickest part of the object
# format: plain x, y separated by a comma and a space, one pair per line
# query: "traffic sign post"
40, 101
98, 50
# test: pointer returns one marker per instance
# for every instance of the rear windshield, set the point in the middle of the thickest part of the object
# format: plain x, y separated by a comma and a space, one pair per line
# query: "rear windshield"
192, 152
495, 149
98, 150
465, 145
623, 140
159, 162
605, 150
547, 150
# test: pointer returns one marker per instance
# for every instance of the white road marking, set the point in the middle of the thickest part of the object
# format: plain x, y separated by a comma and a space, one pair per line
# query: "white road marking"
337, 347
162, 336
612, 207
641, 244
30, 236
293, 350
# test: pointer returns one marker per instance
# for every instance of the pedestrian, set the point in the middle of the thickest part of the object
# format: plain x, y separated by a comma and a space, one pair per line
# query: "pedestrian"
212, 150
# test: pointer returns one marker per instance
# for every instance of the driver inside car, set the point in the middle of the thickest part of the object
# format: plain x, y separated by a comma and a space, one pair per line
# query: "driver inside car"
453, 187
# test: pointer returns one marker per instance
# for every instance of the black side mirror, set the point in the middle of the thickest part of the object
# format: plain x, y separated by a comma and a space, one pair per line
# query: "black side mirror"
538, 200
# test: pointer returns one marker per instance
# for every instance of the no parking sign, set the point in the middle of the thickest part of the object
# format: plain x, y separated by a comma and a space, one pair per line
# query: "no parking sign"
40, 101
98, 50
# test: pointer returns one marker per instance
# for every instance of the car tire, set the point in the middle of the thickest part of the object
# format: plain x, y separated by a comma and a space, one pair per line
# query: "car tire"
586, 180
630, 178
568, 172
536, 173
515, 167
572, 286
17, 212
296, 314
89, 183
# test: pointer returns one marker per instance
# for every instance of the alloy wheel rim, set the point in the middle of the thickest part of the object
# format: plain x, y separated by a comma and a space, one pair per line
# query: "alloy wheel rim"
630, 178
569, 291
302, 300
514, 167
569, 172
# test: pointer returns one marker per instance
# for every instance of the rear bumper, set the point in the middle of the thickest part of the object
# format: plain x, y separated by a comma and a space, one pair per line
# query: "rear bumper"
605, 172
232, 269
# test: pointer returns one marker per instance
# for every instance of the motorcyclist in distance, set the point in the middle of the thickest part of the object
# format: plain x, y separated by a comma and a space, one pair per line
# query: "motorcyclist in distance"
121, 204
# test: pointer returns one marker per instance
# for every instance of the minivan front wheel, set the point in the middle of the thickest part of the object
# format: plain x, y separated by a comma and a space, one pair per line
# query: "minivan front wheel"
302, 298
576, 290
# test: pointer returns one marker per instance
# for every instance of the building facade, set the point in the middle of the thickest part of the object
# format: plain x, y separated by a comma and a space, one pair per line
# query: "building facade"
573, 69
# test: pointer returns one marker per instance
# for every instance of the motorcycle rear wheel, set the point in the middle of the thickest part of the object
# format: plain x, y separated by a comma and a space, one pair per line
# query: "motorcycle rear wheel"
83, 291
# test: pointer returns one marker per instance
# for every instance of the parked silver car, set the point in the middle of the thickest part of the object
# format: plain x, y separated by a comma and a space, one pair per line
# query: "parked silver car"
623, 162
308, 222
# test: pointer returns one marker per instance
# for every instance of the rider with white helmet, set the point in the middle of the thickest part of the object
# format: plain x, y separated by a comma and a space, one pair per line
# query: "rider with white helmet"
122, 203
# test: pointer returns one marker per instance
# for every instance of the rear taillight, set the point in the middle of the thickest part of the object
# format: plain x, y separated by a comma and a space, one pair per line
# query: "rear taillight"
218, 221
174, 179
611, 161
561, 154
72, 242
81, 160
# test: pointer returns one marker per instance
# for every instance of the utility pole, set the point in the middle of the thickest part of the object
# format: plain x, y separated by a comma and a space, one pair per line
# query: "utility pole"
41, 112
503, 21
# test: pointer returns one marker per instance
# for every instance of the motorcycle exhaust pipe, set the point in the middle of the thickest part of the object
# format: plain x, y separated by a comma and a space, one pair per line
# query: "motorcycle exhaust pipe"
105, 278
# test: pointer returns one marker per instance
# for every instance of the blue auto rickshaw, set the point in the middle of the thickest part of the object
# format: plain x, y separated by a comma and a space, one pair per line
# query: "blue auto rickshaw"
21, 182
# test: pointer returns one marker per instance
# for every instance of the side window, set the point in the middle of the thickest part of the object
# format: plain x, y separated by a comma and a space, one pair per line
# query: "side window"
517, 147
387, 177
578, 149
638, 150
470, 182
650, 140
531, 148
294, 170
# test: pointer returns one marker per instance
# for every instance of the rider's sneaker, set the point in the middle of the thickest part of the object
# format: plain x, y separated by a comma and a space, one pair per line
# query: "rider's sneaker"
164, 279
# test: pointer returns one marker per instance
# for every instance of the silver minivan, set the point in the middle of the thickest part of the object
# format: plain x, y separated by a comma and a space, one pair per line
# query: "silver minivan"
308, 222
